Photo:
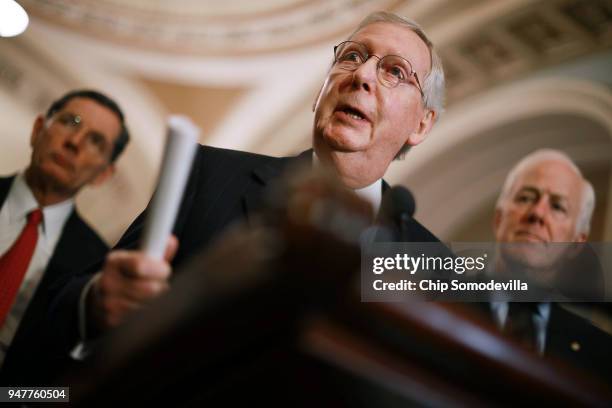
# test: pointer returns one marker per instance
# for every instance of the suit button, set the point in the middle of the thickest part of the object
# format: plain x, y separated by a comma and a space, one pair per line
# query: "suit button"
575, 346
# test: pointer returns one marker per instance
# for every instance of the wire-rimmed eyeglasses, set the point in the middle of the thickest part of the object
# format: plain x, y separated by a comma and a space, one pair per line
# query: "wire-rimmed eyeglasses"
391, 70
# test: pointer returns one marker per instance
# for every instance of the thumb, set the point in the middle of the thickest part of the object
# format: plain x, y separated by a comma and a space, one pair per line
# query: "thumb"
171, 248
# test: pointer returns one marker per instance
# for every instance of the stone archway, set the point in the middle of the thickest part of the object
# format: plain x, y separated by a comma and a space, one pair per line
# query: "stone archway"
457, 173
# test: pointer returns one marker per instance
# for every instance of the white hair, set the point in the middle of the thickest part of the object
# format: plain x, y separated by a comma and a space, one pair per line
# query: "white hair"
587, 205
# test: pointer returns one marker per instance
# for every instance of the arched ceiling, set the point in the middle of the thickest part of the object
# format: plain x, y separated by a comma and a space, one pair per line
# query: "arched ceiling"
248, 71
209, 27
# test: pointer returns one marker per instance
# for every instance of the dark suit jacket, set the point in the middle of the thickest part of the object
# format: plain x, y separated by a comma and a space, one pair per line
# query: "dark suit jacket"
224, 186
572, 339
29, 356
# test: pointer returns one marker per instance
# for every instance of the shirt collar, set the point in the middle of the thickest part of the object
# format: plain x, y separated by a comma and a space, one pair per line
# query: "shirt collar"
501, 310
372, 193
21, 201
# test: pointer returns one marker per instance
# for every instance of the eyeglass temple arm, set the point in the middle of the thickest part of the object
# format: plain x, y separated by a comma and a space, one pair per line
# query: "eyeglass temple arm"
418, 83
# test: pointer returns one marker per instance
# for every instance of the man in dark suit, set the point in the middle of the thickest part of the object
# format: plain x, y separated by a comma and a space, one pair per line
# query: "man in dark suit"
74, 144
545, 199
382, 95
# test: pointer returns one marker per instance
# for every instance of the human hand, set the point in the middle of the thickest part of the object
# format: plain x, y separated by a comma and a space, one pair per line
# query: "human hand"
128, 280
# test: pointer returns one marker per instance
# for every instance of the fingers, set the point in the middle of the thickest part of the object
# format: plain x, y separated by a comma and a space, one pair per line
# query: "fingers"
136, 265
171, 248
110, 311
130, 276
129, 280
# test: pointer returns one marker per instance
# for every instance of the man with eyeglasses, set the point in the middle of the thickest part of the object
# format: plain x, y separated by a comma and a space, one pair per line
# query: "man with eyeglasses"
43, 240
382, 95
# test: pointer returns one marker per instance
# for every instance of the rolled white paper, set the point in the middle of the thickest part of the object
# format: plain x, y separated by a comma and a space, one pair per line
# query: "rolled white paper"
181, 142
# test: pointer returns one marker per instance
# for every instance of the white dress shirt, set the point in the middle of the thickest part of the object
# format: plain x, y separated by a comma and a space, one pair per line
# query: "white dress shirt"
13, 217
372, 194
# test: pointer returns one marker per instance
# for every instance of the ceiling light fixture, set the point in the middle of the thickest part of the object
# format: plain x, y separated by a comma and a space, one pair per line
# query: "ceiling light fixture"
13, 18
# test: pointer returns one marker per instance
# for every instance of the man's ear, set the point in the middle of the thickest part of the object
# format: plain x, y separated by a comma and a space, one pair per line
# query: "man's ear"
37, 127
424, 126
104, 175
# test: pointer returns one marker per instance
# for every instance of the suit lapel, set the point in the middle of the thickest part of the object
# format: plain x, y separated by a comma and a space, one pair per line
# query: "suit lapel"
564, 333
57, 266
254, 200
65, 262
64, 254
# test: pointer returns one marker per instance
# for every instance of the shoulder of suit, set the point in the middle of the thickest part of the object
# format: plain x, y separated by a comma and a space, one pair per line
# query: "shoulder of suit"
419, 233
7, 180
77, 228
214, 161
571, 321
208, 152
5, 186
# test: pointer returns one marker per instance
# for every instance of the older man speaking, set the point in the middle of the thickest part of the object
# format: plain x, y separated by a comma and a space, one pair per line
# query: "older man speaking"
382, 95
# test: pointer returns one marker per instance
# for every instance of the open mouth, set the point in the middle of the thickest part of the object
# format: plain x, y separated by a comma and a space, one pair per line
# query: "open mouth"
352, 112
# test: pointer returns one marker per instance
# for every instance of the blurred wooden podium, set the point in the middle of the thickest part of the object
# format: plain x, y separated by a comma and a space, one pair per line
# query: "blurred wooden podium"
291, 329
273, 315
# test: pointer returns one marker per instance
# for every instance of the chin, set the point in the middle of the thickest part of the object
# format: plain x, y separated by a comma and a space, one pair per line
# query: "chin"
58, 179
346, 141
531, 255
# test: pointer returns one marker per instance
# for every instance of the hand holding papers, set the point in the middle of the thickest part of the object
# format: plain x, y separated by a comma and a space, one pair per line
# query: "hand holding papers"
129, 279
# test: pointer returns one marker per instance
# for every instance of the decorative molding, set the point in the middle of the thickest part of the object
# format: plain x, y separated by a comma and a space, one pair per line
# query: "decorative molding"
465, 159
209, 27
537, 35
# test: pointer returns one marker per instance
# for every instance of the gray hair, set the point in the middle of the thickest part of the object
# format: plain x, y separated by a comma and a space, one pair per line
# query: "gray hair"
433, 83
587, 205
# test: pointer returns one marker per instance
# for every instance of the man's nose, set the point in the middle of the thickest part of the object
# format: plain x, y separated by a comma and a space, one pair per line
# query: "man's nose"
538, 211
76, 137
365, 75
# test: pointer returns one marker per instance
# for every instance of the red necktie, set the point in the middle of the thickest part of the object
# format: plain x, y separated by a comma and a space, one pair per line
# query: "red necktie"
14, 263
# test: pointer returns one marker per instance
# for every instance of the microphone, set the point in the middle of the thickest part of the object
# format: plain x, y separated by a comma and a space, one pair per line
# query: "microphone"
397, 207
398, 202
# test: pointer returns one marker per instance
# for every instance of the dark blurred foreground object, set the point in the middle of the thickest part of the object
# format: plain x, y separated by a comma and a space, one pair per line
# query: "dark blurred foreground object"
272, 314
582, 276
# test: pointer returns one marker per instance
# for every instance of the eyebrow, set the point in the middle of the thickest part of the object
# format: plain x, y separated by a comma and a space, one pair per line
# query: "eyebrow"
537, 191
368, 45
